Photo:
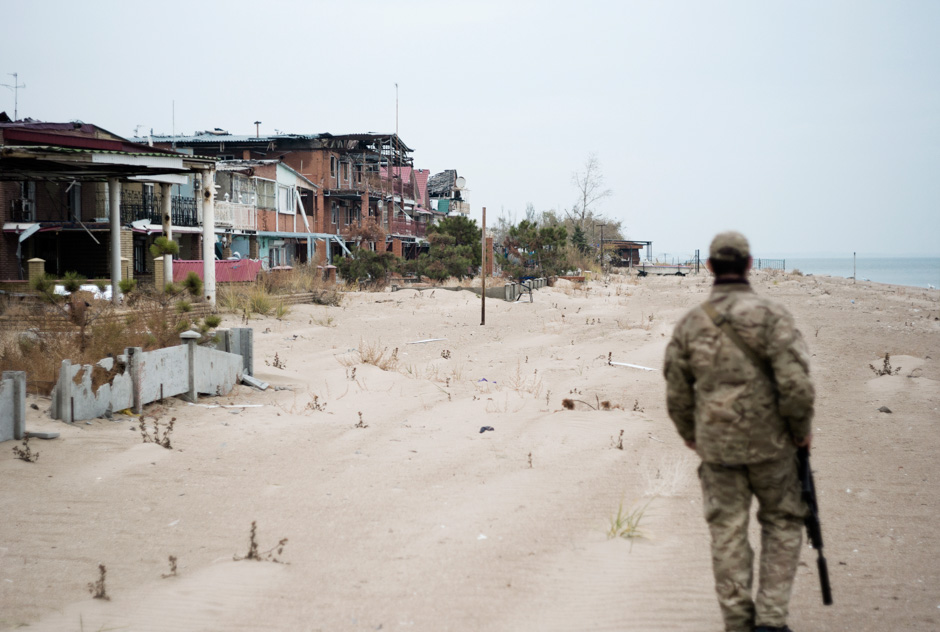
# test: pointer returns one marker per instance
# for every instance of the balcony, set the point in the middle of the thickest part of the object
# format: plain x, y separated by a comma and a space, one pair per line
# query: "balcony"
137, 205
407, 227
236, 216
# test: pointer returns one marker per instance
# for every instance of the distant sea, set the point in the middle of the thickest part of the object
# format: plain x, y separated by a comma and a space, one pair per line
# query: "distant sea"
914, 271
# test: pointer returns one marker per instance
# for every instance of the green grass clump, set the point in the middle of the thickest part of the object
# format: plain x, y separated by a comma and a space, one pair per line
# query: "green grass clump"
627, 524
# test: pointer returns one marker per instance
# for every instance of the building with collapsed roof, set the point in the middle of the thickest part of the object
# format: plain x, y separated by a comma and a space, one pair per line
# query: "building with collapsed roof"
76, 197
358, 179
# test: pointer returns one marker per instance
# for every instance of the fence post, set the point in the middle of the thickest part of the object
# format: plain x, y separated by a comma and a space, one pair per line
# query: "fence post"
189, 338
15, 381
64, 389
159, 276
19, 402
36, 268
134, 357
243, 344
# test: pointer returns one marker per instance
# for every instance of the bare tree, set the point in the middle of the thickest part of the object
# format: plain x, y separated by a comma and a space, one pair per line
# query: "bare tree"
590, 184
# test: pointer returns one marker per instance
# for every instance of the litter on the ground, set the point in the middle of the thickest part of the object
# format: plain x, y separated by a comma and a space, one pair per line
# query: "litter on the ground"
254, 382
485, 428
633, 366
418, 342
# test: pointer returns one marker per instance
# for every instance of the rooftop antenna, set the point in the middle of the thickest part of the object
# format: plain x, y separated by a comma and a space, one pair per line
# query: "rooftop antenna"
16, 97
174, 125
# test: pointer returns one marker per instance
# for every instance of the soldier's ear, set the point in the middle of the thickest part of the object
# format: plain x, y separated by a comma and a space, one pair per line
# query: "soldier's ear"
708, 265
750, 264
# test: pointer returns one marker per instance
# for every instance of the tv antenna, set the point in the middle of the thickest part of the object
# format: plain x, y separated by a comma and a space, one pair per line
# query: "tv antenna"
15, 88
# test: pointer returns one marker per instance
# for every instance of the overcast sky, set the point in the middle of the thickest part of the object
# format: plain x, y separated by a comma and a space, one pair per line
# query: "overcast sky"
813, 127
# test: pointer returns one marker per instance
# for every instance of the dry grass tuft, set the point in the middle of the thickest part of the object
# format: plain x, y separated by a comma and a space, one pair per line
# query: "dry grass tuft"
375, 354
25, 453
261, 556
97, 588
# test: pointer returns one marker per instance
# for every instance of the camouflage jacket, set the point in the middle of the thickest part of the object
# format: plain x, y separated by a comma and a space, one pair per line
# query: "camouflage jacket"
718, 398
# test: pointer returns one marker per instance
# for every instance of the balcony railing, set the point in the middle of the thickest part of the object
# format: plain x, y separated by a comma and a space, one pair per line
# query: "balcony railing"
238, 216
137, 205
405, 227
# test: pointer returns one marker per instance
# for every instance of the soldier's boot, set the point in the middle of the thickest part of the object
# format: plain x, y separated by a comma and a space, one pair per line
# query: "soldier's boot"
770, 628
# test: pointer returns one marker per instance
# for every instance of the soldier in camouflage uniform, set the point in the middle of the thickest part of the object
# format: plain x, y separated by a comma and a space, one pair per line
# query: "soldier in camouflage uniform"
744, 414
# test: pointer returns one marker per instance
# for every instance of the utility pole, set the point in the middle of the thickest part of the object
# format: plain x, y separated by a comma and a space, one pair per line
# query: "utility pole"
602, 246
16, 96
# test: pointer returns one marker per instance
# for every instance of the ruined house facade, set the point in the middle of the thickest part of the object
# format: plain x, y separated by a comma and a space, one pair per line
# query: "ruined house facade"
58, 183
356, 178
285, 199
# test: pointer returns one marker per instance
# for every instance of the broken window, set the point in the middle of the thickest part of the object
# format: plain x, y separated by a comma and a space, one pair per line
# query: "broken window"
267, 194
285, 200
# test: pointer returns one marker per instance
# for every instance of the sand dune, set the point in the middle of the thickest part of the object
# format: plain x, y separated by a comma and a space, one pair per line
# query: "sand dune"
415, 520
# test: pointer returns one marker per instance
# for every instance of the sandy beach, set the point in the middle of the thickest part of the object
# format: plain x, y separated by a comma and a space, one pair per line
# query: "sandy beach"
400, 514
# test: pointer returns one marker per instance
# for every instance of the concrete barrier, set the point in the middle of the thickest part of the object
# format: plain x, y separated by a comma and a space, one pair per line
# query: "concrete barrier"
136, 378
241, 341
12, 405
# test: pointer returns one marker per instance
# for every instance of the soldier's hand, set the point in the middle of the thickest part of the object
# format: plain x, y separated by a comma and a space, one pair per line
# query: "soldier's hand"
804, 442
690, 445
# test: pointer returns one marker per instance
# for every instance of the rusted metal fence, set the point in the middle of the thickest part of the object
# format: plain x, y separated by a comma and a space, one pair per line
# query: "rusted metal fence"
770, 264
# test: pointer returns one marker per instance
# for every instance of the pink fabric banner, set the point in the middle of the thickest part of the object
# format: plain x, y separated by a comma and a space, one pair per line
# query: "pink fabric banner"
227, 271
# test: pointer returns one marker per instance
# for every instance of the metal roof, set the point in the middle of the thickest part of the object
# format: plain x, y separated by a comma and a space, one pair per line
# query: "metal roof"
43, 162
209, 137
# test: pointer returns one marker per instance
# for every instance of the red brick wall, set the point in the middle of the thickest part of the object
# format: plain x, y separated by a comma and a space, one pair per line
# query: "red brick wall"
267, 220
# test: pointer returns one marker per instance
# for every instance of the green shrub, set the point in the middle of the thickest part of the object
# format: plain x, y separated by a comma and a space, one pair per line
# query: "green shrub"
162, 246
73, 281
193, 284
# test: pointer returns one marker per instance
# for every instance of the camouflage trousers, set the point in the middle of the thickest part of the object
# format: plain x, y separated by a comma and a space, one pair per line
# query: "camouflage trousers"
727, 492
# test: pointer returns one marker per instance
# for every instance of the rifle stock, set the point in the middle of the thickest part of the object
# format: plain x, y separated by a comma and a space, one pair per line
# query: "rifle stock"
813, 528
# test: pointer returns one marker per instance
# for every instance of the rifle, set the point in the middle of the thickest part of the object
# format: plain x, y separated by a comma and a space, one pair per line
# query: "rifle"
813, 530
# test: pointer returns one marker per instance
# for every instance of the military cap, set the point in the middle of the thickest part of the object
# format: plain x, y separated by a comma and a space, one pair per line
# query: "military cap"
729, 246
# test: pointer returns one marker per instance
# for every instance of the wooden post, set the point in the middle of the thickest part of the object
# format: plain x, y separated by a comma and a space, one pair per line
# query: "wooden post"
483, 271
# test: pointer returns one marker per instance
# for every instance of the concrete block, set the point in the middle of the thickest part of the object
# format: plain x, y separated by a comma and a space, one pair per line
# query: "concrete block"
240, 341
216, 372
256, 383
163, 373
74, 397
62, 393
42, 435
243, 345
12, 405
